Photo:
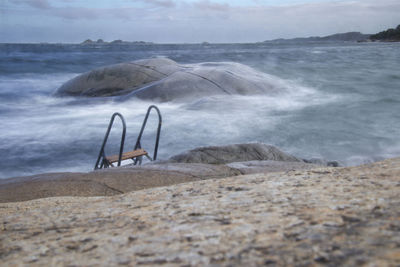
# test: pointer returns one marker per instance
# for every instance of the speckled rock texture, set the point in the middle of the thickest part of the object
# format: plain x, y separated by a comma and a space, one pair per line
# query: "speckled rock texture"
324, 216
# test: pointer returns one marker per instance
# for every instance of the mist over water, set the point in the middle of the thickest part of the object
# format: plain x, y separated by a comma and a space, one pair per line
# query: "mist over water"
341, 102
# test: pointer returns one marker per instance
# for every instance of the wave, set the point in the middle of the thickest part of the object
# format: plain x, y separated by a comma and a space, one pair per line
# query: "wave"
46, 133
311, 113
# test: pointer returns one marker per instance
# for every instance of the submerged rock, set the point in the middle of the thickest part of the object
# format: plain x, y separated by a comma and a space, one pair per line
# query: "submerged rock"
162, 79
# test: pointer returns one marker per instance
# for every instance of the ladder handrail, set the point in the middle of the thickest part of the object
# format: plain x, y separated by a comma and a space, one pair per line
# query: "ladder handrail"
121, 147
137, 145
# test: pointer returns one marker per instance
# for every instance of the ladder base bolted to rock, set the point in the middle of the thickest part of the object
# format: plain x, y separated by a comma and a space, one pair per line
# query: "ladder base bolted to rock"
137, 153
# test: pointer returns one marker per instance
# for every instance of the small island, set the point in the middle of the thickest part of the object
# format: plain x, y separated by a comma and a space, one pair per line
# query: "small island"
102, 42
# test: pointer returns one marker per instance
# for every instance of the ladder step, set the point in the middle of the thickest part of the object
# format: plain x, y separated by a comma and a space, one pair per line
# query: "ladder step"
127, 155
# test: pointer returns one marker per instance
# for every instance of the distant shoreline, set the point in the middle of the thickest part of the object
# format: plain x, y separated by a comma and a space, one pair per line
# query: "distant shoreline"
388, 36
277, 41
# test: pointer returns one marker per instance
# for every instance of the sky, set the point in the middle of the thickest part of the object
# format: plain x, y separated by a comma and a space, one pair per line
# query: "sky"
189, 21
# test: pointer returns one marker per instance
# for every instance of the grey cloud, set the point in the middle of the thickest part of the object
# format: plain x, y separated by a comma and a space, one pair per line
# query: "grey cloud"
159, 3
257, 23
77, 13
99, 14
209, 21
208, 5
41, 4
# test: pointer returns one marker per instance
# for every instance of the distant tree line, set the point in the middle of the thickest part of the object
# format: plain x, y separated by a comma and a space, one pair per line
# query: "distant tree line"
388, 35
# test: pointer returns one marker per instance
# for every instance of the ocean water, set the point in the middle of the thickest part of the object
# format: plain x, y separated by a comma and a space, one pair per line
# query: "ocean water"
342, 103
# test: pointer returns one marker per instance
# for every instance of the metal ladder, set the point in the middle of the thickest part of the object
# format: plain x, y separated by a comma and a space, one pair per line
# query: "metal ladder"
137, 153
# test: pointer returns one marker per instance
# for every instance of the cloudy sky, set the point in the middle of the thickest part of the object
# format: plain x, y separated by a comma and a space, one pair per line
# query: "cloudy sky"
190, 21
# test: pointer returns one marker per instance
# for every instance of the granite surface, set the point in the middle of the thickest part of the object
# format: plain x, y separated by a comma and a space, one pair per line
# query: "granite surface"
322, 216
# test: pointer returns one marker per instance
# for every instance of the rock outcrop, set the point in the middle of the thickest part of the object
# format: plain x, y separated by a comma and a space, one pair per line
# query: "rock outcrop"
195, 165
161, 79
325, 216
390, 35
233, 153
119, 79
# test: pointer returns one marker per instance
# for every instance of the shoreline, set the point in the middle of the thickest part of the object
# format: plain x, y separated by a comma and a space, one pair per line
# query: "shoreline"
193, 165
114, 181
203, 163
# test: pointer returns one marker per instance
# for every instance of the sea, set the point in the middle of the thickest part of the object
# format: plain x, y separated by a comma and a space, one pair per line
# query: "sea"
343, 104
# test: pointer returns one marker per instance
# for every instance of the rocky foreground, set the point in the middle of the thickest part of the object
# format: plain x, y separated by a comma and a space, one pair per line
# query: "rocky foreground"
319, 216
194, 165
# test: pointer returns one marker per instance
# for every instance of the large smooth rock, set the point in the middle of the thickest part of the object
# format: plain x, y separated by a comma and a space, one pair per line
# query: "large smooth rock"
107, 182
116, 181
233, 153
190, 166
162, 79
118, 79
320, 217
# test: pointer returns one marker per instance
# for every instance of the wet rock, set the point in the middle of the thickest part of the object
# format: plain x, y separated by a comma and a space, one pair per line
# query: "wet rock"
162, 79
98, 183
233, 153
118, 79
176, 170
191, 166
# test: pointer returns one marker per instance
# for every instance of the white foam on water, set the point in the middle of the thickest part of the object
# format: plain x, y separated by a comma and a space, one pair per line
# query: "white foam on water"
329, 105
46, 133
47, 126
